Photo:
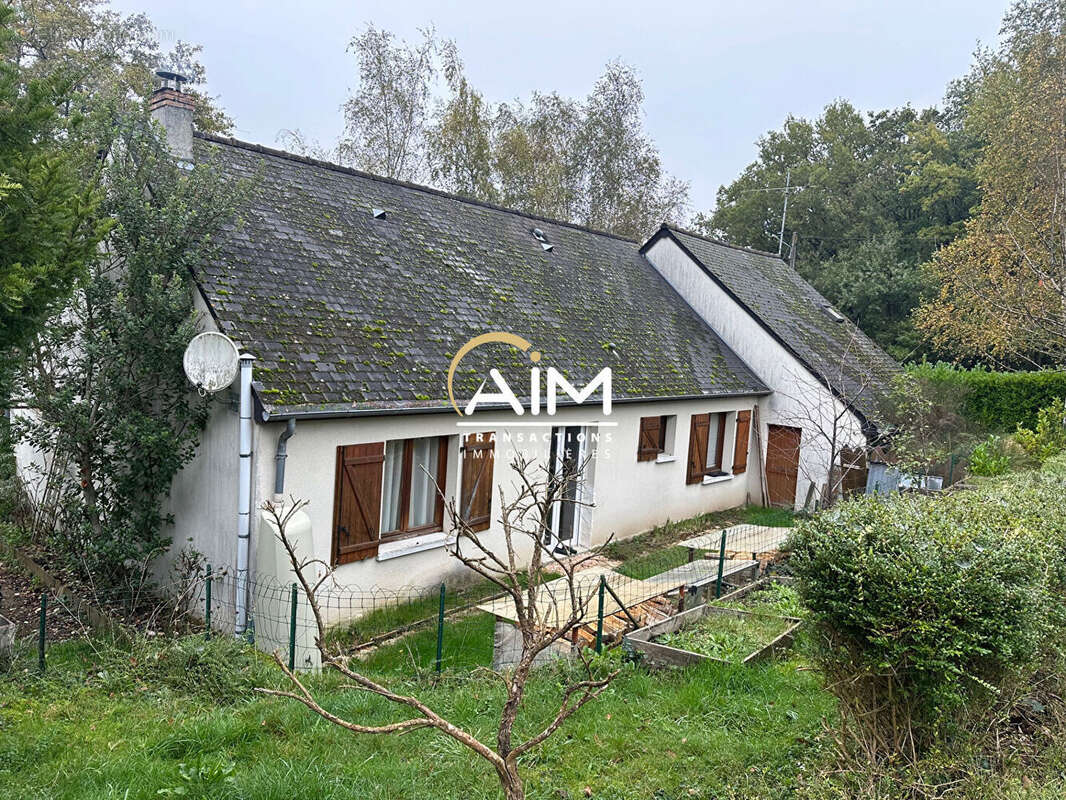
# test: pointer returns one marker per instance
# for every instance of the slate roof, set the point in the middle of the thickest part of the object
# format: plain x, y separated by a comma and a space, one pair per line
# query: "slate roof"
347, 313
793, 311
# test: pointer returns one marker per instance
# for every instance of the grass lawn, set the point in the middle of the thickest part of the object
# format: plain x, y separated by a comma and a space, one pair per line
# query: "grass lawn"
127, 723
408, 611
652, 552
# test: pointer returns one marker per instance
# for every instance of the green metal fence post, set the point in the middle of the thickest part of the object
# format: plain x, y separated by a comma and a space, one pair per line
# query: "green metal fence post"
721, 567
207, 606
599, 615
40, 631
292, 631
440, 631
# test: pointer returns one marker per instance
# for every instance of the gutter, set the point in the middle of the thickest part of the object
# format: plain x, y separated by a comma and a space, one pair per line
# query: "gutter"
312, 414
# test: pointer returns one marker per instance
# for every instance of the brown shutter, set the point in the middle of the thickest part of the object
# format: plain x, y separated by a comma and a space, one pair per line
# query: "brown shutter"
697, 447
479, 451
357, 502
649, 445
740, 449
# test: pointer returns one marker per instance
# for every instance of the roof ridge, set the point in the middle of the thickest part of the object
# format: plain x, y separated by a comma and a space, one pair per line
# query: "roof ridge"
713, 240
317, 162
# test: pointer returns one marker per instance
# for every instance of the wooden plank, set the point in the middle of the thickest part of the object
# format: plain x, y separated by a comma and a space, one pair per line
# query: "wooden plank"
555, 606
700, 572
739, 539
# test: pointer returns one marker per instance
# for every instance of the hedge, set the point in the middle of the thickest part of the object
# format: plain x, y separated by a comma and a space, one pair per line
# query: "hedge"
996, 401
933, 605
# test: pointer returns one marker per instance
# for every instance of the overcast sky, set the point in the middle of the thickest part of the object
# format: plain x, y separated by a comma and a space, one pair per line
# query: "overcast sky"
717, 74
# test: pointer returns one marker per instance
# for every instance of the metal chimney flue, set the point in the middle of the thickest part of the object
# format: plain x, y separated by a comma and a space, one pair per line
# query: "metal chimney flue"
170, 80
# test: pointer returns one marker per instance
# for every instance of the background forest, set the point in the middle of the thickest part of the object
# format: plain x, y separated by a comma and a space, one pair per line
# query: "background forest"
875, 198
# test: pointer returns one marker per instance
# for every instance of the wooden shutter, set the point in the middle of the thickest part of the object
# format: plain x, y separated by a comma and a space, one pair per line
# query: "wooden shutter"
357, 502
649, 445
719, 443
475, 502
697, 447
740, 449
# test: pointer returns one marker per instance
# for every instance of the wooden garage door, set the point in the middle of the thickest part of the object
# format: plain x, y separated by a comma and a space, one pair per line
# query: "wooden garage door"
782, 464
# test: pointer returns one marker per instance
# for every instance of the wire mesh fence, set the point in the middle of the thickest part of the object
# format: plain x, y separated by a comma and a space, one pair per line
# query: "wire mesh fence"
458, 624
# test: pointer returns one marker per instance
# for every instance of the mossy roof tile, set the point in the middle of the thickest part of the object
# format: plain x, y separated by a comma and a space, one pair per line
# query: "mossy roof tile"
307, 278
854, 366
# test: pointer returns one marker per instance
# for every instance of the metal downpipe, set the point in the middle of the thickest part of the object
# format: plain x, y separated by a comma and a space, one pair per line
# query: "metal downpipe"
280, 454
244, 493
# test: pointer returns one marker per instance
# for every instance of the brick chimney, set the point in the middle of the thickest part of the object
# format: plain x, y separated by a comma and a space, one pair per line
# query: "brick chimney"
173, 109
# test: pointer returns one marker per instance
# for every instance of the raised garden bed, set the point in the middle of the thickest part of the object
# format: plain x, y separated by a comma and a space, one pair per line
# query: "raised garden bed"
774, 594
721, 632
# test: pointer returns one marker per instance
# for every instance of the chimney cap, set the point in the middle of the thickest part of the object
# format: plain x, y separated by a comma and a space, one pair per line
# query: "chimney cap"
171, 79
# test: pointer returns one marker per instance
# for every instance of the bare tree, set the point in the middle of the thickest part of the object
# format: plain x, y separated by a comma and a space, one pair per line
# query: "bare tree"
835, 426
543, 618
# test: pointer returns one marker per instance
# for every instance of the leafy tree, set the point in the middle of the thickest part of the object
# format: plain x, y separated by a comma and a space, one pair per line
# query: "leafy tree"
1002, 286
871, 196
104, 54
460, 140
113, 407
625, 189
48, 225
586, 161
385, 119
533, 156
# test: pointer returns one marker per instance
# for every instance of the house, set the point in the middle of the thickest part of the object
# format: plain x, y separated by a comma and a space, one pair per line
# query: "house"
356, 294
829, 379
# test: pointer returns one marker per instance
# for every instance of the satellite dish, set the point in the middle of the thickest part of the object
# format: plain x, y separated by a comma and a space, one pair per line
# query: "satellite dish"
211, 361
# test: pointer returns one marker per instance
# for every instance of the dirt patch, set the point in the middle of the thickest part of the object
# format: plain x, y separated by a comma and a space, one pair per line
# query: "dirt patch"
20, 602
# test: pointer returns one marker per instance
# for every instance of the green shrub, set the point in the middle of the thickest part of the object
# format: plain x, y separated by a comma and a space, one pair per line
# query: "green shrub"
1048, 437
996, 401
930, 606
989, 458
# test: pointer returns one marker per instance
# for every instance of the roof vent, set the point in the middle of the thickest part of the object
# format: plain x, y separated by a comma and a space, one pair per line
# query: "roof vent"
835, 315
379, 213
545, 245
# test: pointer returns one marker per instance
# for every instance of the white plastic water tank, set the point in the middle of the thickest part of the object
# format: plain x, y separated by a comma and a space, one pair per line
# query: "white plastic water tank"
272, 591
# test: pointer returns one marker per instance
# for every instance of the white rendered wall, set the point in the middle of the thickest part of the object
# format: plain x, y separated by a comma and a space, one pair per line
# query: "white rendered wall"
799, 400
203, 496
629, 496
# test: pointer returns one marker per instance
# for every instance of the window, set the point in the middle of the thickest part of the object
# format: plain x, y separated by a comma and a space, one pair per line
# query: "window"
382, 492
705, 442
410, 502
656, 437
